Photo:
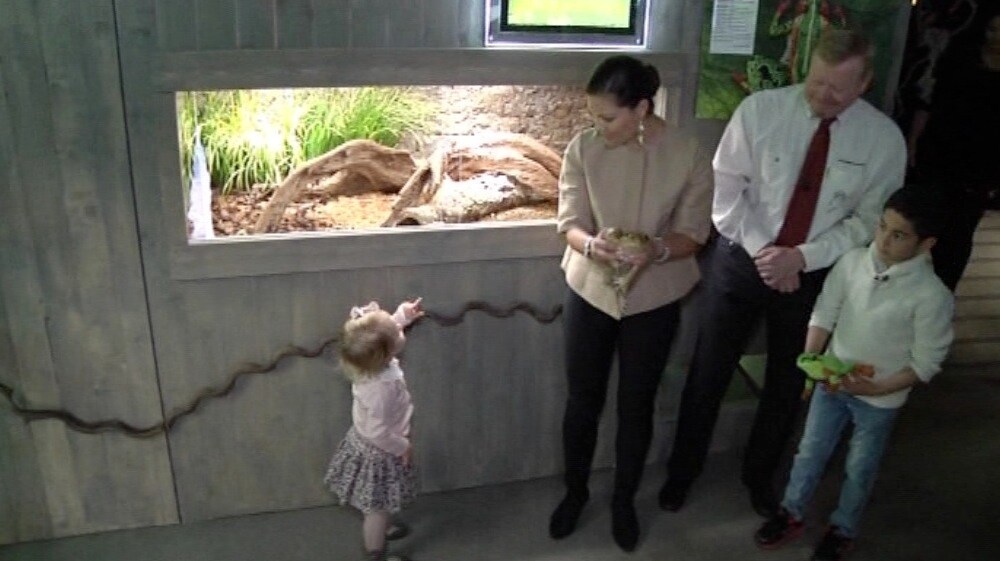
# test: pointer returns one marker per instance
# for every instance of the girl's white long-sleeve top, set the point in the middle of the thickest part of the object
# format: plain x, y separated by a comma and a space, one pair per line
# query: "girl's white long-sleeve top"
897, 318
382, 409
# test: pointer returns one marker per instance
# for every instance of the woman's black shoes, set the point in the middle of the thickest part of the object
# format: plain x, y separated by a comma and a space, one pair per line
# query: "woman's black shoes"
672, 496
624, 522
624, 526
566, 515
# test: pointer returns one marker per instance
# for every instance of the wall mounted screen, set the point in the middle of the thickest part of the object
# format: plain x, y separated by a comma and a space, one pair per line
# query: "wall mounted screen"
579, 23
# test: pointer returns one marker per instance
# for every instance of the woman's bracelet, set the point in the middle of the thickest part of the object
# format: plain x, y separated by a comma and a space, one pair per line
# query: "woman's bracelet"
665, 256
588, 247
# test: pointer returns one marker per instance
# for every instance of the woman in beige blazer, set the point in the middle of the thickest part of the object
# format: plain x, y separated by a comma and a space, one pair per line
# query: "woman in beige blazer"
635, 199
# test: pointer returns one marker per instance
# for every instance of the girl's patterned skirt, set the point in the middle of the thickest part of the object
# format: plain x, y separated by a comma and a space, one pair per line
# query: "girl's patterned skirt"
369, 478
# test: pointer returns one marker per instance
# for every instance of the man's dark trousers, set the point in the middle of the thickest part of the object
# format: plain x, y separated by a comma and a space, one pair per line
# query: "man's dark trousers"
733, 305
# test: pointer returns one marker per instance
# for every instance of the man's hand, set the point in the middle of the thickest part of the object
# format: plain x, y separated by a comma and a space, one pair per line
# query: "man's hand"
786, 285
779, 267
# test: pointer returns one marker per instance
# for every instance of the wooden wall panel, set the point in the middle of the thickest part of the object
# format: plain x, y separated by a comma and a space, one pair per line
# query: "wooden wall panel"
471, 22
23, 510
293, 23
216, 24
386, 23
482, 388
331, 23
444, 24
666, 25
74, 306
177, 24
389, 67
203, 25
255, 24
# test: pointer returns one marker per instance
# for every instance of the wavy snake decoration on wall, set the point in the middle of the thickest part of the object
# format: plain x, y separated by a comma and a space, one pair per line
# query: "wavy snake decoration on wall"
22, 408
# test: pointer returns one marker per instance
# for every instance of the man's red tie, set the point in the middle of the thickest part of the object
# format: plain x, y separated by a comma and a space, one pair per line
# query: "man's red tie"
802, 207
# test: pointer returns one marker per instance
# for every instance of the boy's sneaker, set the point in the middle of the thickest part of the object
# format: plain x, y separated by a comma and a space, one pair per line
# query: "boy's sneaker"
833, 546
777, 531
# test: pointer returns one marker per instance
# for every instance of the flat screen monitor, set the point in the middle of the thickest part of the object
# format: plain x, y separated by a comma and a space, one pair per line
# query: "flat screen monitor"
580, 23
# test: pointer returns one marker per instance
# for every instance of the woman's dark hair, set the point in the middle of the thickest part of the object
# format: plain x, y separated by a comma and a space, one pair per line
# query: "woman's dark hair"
922, 206
627, 78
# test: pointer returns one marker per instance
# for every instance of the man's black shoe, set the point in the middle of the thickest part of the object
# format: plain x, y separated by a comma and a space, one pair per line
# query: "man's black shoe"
763, 501
564, 518
624, 526
833, 546
778, 530
673, 495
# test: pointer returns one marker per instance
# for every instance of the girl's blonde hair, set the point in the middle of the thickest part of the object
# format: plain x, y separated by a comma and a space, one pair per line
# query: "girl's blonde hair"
366, 345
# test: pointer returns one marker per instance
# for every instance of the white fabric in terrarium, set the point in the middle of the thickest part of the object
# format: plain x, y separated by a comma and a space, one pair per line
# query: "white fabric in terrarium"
199, 212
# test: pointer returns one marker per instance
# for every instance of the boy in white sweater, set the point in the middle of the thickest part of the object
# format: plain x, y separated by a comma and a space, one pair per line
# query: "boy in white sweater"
882, 306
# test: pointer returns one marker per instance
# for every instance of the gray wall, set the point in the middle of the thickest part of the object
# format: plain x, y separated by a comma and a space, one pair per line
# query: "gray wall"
107, 311
74, 328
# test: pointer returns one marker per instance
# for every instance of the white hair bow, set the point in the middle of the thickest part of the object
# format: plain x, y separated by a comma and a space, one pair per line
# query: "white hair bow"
358, 311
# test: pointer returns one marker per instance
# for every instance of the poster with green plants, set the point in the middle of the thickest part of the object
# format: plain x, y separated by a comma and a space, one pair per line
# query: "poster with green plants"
786, 31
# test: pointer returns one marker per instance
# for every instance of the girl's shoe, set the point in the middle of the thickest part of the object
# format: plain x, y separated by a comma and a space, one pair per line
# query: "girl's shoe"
383, 556
397, 530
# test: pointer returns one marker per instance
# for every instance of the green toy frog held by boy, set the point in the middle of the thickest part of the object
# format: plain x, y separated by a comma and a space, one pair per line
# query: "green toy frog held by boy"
830, 370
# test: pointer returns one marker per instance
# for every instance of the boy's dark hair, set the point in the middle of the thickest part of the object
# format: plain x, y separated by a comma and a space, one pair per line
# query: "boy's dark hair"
923, 207
627, 78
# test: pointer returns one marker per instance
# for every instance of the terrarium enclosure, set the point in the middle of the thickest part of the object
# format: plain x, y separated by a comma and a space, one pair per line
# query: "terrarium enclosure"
306, 159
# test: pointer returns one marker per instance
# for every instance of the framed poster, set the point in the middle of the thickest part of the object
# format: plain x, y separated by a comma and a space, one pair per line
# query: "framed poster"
738, 59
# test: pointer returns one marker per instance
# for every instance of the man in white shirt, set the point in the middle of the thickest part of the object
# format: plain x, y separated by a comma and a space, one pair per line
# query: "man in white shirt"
801, 174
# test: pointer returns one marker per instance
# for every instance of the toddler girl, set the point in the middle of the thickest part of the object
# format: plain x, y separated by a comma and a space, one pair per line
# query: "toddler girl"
371, 468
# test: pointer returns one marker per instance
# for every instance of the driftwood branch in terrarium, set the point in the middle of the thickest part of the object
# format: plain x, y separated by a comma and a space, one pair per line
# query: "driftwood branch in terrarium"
357, 166
466, 180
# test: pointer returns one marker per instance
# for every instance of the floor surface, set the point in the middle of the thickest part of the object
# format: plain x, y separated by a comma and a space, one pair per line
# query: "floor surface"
938, 497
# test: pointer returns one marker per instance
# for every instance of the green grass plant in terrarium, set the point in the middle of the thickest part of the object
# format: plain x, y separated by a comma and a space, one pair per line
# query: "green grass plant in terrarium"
256, 137
380, 114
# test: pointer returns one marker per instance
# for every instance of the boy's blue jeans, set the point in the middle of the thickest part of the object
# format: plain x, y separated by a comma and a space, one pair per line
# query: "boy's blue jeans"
828, 415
